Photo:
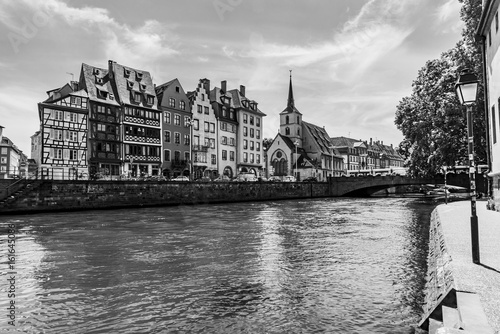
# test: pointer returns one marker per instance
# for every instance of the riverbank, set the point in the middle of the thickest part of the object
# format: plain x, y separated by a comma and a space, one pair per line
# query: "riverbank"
456, 287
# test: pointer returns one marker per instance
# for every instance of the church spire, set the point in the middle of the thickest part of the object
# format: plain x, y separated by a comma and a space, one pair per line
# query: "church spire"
291, 103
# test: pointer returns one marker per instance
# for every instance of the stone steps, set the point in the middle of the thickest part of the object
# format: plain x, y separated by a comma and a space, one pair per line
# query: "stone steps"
467, 317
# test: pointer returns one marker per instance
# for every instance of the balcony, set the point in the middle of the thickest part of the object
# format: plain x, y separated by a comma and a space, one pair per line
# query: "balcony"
200, 148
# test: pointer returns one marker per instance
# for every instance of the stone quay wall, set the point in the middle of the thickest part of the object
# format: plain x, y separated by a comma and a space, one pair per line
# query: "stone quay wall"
88, 195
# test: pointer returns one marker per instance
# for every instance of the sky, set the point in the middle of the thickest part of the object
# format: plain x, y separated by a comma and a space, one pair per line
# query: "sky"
352, 61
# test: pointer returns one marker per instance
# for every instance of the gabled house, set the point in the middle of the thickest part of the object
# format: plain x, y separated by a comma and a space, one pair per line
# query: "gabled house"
249, 153
227, 127
13, 162
205, 132
176, 128
141, 122
63, 133
104, 137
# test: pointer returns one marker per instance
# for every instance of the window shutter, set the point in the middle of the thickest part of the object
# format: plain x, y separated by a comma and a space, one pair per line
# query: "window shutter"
52, 133
66, 134
65, 154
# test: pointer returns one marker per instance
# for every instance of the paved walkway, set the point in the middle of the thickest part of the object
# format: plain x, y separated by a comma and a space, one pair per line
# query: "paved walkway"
482, 279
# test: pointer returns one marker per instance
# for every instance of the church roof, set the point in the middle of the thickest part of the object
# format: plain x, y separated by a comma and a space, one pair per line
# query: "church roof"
290, 106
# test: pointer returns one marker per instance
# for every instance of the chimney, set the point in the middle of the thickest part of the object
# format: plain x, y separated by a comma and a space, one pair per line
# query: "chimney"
242, 90
111, 69
371, 141
206, 85
74, 85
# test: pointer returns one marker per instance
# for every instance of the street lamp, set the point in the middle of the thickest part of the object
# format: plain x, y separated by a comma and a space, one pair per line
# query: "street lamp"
466, 89
190, 123
296, 143
333, 153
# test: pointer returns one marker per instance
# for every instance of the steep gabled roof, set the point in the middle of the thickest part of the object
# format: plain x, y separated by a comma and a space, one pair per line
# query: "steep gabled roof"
238, 101
88, 80
320, 136
290, 106
128, 80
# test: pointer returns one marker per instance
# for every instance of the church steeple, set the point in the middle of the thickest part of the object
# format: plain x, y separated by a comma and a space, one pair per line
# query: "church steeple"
291, 103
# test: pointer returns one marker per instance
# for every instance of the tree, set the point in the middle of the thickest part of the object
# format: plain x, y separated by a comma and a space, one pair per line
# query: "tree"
431, 119
266, 143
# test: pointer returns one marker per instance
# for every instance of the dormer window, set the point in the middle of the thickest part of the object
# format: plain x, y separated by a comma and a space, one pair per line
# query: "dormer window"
143, 86
111, 97
245, 103
101, 93
99, 81
138, 75
96, 71
137, 97
126, 72
130, 84
150, 99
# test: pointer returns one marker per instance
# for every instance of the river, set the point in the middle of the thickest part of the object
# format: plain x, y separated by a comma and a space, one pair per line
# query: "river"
335, 265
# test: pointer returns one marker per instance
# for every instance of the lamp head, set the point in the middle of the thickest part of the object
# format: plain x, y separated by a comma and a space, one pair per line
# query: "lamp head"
466, 87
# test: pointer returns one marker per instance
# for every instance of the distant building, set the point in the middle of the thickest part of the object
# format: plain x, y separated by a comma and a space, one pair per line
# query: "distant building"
488, 29
301, 148
176, 114
13, 162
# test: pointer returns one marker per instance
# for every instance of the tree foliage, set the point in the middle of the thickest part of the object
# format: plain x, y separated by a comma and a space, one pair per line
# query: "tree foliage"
431, 119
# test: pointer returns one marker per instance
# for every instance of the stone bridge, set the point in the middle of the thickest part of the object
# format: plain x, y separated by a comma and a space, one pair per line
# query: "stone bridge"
367, 185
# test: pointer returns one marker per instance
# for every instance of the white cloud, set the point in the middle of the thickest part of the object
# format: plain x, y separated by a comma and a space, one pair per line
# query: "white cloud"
448, 17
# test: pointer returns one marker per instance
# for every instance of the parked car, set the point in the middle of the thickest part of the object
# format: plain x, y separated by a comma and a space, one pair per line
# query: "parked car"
204, 179
289, 178
222, 178
181, 178
245, 177
274, 179
310, 179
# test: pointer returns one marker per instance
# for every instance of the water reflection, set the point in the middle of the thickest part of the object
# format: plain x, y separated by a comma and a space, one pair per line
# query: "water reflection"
326, 265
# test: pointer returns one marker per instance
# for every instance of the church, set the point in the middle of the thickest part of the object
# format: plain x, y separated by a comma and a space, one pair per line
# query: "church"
302, 149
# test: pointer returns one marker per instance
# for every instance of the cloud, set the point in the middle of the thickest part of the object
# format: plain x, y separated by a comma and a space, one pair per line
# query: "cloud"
149, 41
448, 17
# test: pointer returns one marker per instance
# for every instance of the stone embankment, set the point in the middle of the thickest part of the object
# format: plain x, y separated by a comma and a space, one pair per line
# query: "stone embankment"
85, 195
462, 297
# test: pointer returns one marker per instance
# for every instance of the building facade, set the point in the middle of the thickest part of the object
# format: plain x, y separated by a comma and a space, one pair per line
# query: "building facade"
249, 152
104, 123
227, 125
176, 128
141, 122
63, 133
488, 29
13, 162
205, 132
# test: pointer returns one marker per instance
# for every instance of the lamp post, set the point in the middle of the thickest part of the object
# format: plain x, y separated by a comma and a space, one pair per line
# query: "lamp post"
190, 123
466, 89
445, 170
296, 143
333, 152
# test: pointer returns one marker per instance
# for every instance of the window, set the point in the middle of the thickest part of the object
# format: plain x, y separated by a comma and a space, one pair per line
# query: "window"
251, 120
138, 75
137, 97
231, 141
251, 158
58, 115
251, 144
102, 128
166, 154
58, 134
245, 157
200, 109
186, 139
207, 127
206, 110
212, 143
166, 117
73, 155
171, 102
177, 89
73, 117
212, 127
258, 134
182, 105
151, 99
167, 136
207, 142
224, 112
231, 114
298, 120
245, 131
231, 155
214, 159
203, 97
287, 120
245, 118
251, 132
186, 156
126, 72
287, 131
3, 160
76, 100
245, 144
223, 126
257, 121
224, 140
72, 136
177, 138
224, 155
177, 155
196, 125
258, 158
257, 146
58, 153
187, 119
177, 119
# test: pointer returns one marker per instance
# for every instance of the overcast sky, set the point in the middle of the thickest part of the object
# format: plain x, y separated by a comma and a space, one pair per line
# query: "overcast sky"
352, 60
